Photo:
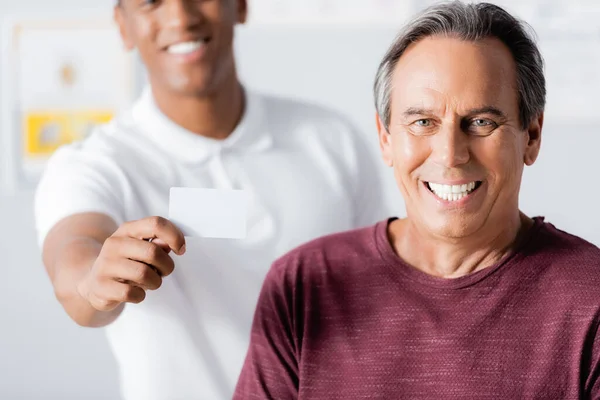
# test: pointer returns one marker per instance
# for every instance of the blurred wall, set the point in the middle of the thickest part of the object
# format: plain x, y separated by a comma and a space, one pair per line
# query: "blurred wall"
43, 355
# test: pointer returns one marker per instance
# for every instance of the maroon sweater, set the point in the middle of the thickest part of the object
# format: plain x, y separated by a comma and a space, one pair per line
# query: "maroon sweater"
344, 318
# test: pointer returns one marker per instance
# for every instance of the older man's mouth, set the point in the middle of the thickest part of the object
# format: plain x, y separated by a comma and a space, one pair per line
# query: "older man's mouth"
453, 192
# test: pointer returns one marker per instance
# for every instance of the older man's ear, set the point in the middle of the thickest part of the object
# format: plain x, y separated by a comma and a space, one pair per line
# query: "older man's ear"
533, 139
385, 143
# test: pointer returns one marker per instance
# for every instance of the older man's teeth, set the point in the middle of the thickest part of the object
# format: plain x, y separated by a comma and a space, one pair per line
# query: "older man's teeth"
451, 192
185, 47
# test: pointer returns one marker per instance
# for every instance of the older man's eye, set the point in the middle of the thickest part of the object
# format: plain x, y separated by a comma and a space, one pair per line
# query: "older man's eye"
422, 127
482, 122
481, 127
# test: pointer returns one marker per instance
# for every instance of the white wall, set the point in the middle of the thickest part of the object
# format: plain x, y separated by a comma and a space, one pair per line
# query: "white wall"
45, 356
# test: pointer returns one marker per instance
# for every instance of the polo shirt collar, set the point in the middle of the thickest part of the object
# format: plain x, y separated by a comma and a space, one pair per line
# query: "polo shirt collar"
250, 135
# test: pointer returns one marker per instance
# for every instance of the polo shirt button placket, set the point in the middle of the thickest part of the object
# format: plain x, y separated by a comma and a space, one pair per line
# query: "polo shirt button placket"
222, 179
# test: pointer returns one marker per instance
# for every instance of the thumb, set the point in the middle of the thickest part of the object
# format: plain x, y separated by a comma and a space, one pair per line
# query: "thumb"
163, 245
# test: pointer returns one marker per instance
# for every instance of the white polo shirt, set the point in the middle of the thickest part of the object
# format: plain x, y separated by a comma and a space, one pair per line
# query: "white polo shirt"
307, 173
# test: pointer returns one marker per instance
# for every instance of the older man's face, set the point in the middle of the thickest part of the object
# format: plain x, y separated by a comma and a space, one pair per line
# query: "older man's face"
455, 139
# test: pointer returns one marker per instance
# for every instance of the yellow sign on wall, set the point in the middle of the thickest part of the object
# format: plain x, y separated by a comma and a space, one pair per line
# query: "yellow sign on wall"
45, 131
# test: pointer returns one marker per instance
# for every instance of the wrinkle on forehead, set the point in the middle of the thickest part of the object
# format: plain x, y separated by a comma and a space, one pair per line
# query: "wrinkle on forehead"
449, 74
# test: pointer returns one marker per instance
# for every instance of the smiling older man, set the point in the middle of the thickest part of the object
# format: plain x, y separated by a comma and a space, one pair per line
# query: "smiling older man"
466, 297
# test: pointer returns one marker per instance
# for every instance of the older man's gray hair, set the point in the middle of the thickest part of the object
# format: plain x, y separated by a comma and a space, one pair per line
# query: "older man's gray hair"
471, 22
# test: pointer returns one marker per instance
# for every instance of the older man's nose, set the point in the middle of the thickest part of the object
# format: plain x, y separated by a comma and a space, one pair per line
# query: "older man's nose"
451, 147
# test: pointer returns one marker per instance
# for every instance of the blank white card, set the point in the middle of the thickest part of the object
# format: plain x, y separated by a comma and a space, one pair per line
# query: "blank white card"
209, 213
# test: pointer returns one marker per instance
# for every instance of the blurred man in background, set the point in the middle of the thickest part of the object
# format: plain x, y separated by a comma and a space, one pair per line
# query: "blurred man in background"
466, 297
100, 201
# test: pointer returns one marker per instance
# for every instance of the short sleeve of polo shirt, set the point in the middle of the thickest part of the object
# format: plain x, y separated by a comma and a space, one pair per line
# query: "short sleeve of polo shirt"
76, 180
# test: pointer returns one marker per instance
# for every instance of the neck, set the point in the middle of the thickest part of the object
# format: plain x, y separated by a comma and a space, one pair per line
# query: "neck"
213, 115
456, 257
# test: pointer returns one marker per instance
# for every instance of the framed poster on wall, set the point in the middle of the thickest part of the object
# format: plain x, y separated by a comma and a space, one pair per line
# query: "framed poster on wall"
60, 78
